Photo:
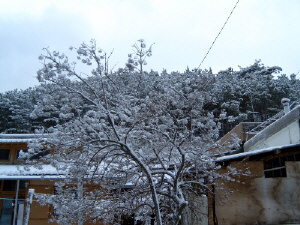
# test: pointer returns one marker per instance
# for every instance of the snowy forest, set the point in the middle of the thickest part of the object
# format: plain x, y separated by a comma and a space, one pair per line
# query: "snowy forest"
252, 93
131, 127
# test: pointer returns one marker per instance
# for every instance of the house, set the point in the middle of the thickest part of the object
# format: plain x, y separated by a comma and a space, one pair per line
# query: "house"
270, 194
17, 184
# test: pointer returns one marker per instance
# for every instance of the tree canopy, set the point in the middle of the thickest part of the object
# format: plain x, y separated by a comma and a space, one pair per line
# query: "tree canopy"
131, 128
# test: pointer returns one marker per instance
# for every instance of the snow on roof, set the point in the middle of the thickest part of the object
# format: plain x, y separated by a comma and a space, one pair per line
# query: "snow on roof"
45, 171
15, 140
19, 138
255, 152
52, 177
28, 172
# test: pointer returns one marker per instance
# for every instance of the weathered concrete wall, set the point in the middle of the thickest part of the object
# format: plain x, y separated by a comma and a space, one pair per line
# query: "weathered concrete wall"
260, 200
196, 212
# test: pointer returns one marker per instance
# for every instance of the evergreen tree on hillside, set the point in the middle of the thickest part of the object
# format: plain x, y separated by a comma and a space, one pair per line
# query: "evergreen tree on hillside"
252, 93
16, 107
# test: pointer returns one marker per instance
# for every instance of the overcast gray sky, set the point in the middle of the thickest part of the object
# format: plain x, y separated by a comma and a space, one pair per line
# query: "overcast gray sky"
182, 30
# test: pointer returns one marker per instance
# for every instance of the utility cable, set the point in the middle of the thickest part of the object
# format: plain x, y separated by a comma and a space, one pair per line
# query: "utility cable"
218, 34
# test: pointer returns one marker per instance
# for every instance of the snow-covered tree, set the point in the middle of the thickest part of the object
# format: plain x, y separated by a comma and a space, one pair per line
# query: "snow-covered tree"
15, 109
144, 142
137, 59
252, 93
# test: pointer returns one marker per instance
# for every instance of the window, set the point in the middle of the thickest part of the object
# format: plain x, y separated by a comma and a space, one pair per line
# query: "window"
4, 154
11, 185
276, 167
7, 211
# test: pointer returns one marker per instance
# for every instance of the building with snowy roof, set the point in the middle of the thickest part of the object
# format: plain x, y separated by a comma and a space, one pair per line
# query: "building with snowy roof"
17, 181
270, 193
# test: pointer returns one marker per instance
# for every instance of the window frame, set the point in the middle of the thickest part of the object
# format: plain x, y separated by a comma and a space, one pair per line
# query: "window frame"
276, 167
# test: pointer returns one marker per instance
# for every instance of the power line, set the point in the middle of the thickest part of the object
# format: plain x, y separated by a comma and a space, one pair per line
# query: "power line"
218, 34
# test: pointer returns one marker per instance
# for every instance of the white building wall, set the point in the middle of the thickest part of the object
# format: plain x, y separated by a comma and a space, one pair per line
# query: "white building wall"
286, 136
